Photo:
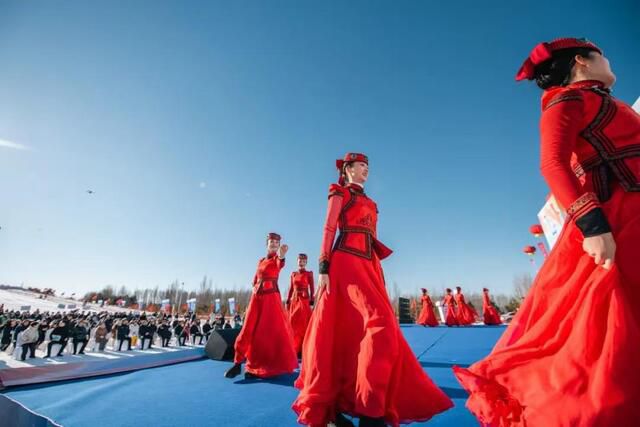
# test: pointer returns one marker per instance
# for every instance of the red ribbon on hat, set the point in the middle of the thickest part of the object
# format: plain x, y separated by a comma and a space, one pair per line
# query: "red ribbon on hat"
538, 55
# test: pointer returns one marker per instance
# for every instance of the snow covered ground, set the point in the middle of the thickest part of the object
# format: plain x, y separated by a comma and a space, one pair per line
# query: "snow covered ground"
14, 299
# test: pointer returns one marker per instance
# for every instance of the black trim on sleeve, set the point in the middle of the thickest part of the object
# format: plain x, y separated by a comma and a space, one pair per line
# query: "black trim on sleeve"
593, 223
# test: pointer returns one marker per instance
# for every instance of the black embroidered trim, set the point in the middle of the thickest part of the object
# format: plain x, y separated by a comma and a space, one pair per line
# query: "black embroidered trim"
593, 223
613, 158
567, 97
323, 267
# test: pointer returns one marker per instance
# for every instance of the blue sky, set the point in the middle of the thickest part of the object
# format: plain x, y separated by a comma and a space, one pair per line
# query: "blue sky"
202, 126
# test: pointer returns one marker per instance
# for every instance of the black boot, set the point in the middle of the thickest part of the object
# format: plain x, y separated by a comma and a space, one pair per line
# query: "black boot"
234, 371
372, 422
250, 376
342, 421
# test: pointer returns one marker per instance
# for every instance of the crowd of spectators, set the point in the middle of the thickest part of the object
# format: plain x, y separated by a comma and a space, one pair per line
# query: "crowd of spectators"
22, 332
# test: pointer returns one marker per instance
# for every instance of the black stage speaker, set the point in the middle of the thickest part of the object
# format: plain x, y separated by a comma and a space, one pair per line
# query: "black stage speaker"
404, 310
220, 344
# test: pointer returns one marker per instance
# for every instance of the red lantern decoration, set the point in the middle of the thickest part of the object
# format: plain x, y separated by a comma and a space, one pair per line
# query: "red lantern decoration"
536, 230
529, 250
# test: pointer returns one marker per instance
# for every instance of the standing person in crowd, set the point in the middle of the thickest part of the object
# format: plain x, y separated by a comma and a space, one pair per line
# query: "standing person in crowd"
195, 332
180, 333
21, 327
152, 332
489, 312
42, 332
300, 301
59, 335
114, 332
101, 336
29, 338
134, 332
145, 333
266, 340
7, 334
569, 356
165, 333
206, 330
355, 359
80, 335
123, 335
427, 315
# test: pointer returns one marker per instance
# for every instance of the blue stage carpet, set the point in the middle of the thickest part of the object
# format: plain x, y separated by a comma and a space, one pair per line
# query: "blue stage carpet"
195, 393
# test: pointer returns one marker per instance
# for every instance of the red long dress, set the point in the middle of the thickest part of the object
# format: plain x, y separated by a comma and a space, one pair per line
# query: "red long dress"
355, 359
266, 339
569, 356
427, 315
299, 302
465, 315
450, 304
489, 312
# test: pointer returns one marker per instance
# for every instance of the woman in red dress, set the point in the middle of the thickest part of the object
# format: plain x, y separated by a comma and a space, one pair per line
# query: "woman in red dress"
354, 357
449, 304
489, 313
266, 339
300, 301
466, 315
569, 356
427, 315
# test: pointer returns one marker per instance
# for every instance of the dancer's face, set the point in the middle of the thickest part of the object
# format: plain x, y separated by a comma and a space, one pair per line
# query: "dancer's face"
273, 246
302, 263
595, 67
358, 172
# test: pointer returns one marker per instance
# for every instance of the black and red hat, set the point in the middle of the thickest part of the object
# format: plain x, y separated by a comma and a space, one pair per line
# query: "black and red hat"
302, 256
544, 52
348, 158
274, 236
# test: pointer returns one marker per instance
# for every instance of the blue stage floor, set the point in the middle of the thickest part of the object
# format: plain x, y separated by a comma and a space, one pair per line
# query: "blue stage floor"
196, 394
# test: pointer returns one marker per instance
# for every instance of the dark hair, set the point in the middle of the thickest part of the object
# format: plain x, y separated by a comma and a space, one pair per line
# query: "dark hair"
557, 70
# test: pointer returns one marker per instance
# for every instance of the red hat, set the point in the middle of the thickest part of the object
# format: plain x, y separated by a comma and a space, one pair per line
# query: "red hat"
348, 158
274, 236
302, 256
544, 52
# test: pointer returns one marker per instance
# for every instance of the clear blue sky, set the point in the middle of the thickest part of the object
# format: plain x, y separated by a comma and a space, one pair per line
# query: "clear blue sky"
144, 101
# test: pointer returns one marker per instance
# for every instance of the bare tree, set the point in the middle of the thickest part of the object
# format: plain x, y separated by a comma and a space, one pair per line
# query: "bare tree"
521, 285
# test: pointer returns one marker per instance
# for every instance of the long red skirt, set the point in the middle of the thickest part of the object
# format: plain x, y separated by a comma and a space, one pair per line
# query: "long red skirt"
355, 359
570, 356
299, 316
490, 315
427, 316
450, 318
465, 314
266, 339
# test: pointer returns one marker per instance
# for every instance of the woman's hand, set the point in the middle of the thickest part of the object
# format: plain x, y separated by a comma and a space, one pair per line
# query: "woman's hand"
282, 251
323, 281
602, 248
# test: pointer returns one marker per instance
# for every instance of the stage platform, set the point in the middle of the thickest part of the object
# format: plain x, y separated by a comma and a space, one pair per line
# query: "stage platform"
196, 393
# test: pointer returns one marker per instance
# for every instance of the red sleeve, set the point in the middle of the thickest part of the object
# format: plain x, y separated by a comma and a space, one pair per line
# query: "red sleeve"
290, 289
311, 286
280, 263
334, 207
559, 128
